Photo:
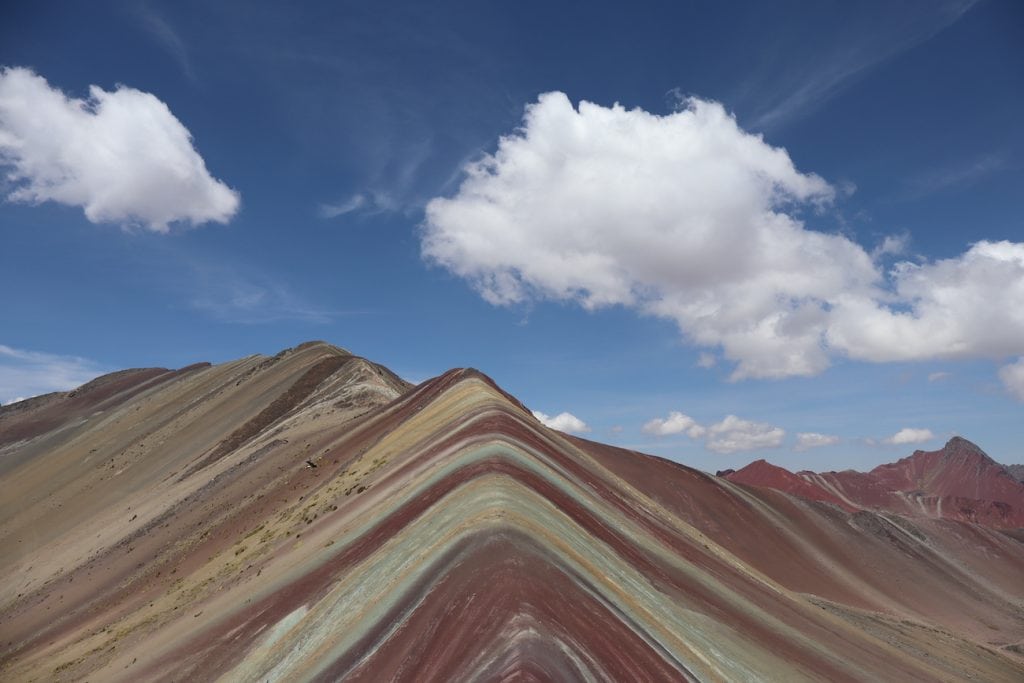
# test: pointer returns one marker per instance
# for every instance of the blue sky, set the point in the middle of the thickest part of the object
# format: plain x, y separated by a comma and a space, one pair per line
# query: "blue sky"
806, 216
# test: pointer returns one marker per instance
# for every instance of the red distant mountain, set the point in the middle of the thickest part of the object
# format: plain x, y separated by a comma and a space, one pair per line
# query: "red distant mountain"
763, 473
1016, 471
958, 481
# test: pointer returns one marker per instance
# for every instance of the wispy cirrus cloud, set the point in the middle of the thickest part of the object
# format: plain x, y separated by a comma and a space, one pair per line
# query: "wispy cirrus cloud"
864, 44
365, 203
154, 22
891, 245
953, 176
25, 373
391, 185
706, 360
233, 295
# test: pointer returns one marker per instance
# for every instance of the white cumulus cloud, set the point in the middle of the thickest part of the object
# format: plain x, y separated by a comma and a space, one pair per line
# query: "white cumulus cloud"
563, 422
808, 440
120, 155
1012, 376
968, 306
24, 373
675, 423
689, 217
733, 435
910, 435
685, 216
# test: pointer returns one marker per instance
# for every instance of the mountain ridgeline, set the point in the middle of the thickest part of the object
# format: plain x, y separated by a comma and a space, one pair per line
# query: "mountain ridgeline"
958, 481
311, 516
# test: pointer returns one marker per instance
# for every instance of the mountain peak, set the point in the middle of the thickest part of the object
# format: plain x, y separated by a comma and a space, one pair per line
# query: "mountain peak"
321, 344
956, 450
765, 474
960, 444
957, 481
311, 515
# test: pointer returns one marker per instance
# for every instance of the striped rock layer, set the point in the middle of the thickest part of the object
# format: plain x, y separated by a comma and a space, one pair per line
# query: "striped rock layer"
313, 517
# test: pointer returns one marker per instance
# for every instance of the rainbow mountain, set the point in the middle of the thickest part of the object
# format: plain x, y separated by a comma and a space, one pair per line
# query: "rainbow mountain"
312, 516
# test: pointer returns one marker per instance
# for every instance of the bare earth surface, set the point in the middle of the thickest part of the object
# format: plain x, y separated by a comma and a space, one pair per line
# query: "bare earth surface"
310, 516
958, 481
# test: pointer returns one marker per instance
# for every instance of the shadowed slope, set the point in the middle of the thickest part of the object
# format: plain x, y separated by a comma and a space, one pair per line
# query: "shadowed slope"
311, 517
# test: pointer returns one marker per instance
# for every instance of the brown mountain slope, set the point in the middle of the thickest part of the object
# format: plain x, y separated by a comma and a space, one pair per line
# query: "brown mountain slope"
312, 517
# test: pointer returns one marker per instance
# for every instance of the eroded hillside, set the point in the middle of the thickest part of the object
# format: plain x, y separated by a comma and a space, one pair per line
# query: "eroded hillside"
310, 516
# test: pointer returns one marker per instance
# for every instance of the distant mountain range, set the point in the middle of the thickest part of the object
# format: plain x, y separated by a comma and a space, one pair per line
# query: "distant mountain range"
958, 481
311, 516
